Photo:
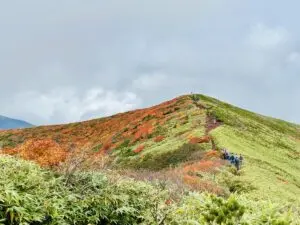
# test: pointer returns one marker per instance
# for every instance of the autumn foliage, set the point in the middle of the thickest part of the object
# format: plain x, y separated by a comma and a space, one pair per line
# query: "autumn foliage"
105, 134
106, 146
199, 140
139, 149
212, 154
45, 152
204, 166
159, 138
143, 131
202, 185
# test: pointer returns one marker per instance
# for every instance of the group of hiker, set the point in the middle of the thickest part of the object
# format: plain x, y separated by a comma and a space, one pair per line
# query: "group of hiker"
234, 159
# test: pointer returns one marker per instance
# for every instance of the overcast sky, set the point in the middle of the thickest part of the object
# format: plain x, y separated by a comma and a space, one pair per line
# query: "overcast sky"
69, 60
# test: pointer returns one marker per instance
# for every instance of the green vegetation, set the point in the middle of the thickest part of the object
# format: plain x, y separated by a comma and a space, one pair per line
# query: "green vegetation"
243, 119
173, 150
231, 179
97, 147
271, 148
31, 195
8, 141
161, 160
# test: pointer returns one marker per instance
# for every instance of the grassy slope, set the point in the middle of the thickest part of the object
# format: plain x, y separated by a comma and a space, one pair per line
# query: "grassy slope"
271, 146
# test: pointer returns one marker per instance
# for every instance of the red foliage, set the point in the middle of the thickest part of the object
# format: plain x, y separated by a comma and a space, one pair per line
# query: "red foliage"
159, 138
199, 140
168, 202
139, 149
143, 131
107, 146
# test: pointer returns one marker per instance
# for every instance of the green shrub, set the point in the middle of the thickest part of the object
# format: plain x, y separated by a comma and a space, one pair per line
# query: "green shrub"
166, 159
148, 117
209, 209
229, 178
159, 130
30, 195
195, 97
97, 147
126, 151
124, 144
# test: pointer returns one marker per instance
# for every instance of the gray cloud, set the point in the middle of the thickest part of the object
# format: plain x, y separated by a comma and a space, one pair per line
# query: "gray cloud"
62, 61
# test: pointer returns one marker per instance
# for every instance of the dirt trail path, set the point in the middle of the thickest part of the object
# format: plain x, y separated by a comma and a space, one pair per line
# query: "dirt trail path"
210, 124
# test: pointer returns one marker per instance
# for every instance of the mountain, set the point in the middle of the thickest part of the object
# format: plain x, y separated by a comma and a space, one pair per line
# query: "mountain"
185, 133
8, 123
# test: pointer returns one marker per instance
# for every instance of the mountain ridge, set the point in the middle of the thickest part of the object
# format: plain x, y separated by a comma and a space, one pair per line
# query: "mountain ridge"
186, 132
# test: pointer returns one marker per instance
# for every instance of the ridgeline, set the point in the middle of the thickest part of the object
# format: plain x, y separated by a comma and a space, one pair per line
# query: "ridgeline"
179, 138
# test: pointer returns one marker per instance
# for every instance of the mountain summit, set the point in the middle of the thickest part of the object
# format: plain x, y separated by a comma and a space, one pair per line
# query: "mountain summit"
9, 123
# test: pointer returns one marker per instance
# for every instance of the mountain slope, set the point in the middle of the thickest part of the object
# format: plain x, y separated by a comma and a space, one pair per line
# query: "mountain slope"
181, 132
271, 148
8, 123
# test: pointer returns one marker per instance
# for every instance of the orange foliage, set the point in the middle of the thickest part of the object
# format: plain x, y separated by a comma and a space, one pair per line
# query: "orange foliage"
159, 138
139, 149
191, 180
199, 140
212, 154
45, 152
205, 166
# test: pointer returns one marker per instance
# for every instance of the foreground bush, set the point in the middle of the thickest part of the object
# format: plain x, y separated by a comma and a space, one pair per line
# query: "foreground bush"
208, 209
31, 195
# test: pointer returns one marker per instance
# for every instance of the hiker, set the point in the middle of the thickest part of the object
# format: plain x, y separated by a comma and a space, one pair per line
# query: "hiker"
241, 159
237, 162
231, 158
223, 153
226, 154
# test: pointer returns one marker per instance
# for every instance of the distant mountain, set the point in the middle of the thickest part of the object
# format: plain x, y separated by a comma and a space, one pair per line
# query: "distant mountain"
9, 123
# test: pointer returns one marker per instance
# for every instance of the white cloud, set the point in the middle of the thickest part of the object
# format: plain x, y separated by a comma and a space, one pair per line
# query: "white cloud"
150, 50
151, 82
65, 105
293, 57
265, 37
